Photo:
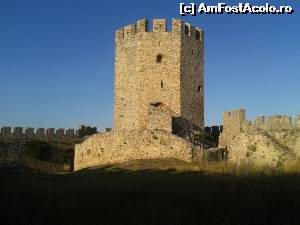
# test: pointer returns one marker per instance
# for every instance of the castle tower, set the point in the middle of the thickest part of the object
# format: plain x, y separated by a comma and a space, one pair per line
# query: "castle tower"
158, 67
158, 93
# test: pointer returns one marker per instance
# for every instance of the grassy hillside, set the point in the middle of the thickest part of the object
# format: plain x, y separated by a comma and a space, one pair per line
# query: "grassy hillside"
152, 192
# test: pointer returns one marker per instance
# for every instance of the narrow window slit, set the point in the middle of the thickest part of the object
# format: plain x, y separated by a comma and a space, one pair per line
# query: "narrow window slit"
187, 29
159, 58
199, 88
197, 35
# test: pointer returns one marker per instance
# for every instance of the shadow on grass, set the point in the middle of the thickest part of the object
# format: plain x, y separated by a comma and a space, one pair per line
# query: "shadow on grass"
120, 195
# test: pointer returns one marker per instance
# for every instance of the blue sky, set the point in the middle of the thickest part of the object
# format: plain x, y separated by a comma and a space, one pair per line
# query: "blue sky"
57, 60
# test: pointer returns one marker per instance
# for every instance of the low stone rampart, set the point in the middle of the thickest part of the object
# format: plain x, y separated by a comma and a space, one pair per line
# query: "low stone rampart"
120, 146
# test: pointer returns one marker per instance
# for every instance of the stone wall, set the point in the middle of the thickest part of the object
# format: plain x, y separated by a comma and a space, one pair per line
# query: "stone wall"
265, 141
159, 117
192, 75
115, 147
19, 133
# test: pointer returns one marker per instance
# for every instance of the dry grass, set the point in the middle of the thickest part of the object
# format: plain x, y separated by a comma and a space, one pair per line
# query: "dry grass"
153, 192
217, 168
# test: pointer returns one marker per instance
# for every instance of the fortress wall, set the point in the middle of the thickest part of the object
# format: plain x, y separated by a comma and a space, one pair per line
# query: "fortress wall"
40, 132
116, 147
272, 141
235, 120
279, 122
6, 131
29, 132
233, 123
9, 133
276, 122
260, 122
50, 132
255, 149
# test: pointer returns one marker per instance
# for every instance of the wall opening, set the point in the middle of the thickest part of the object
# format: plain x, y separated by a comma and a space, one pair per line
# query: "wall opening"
186, 29
199, 88
159, 58
146, 26
197, 35
161, 84
157, 104
150, 26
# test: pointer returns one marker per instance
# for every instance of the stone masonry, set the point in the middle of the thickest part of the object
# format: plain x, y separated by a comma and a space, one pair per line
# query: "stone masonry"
159, 77
120, 146
20, 133
270, 141
158, 67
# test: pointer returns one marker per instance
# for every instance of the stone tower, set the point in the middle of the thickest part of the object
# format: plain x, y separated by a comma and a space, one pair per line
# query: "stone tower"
158, 67
158, 96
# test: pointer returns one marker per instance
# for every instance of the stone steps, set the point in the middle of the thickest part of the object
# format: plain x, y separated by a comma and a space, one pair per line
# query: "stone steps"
277, 144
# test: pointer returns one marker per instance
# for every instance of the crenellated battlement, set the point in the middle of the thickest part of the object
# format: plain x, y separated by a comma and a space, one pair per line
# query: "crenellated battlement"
159, 26
238, 120
279, 121
235, 120
9, 133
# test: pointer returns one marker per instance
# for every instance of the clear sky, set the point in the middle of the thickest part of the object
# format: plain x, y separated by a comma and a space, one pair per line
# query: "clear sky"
57, 60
